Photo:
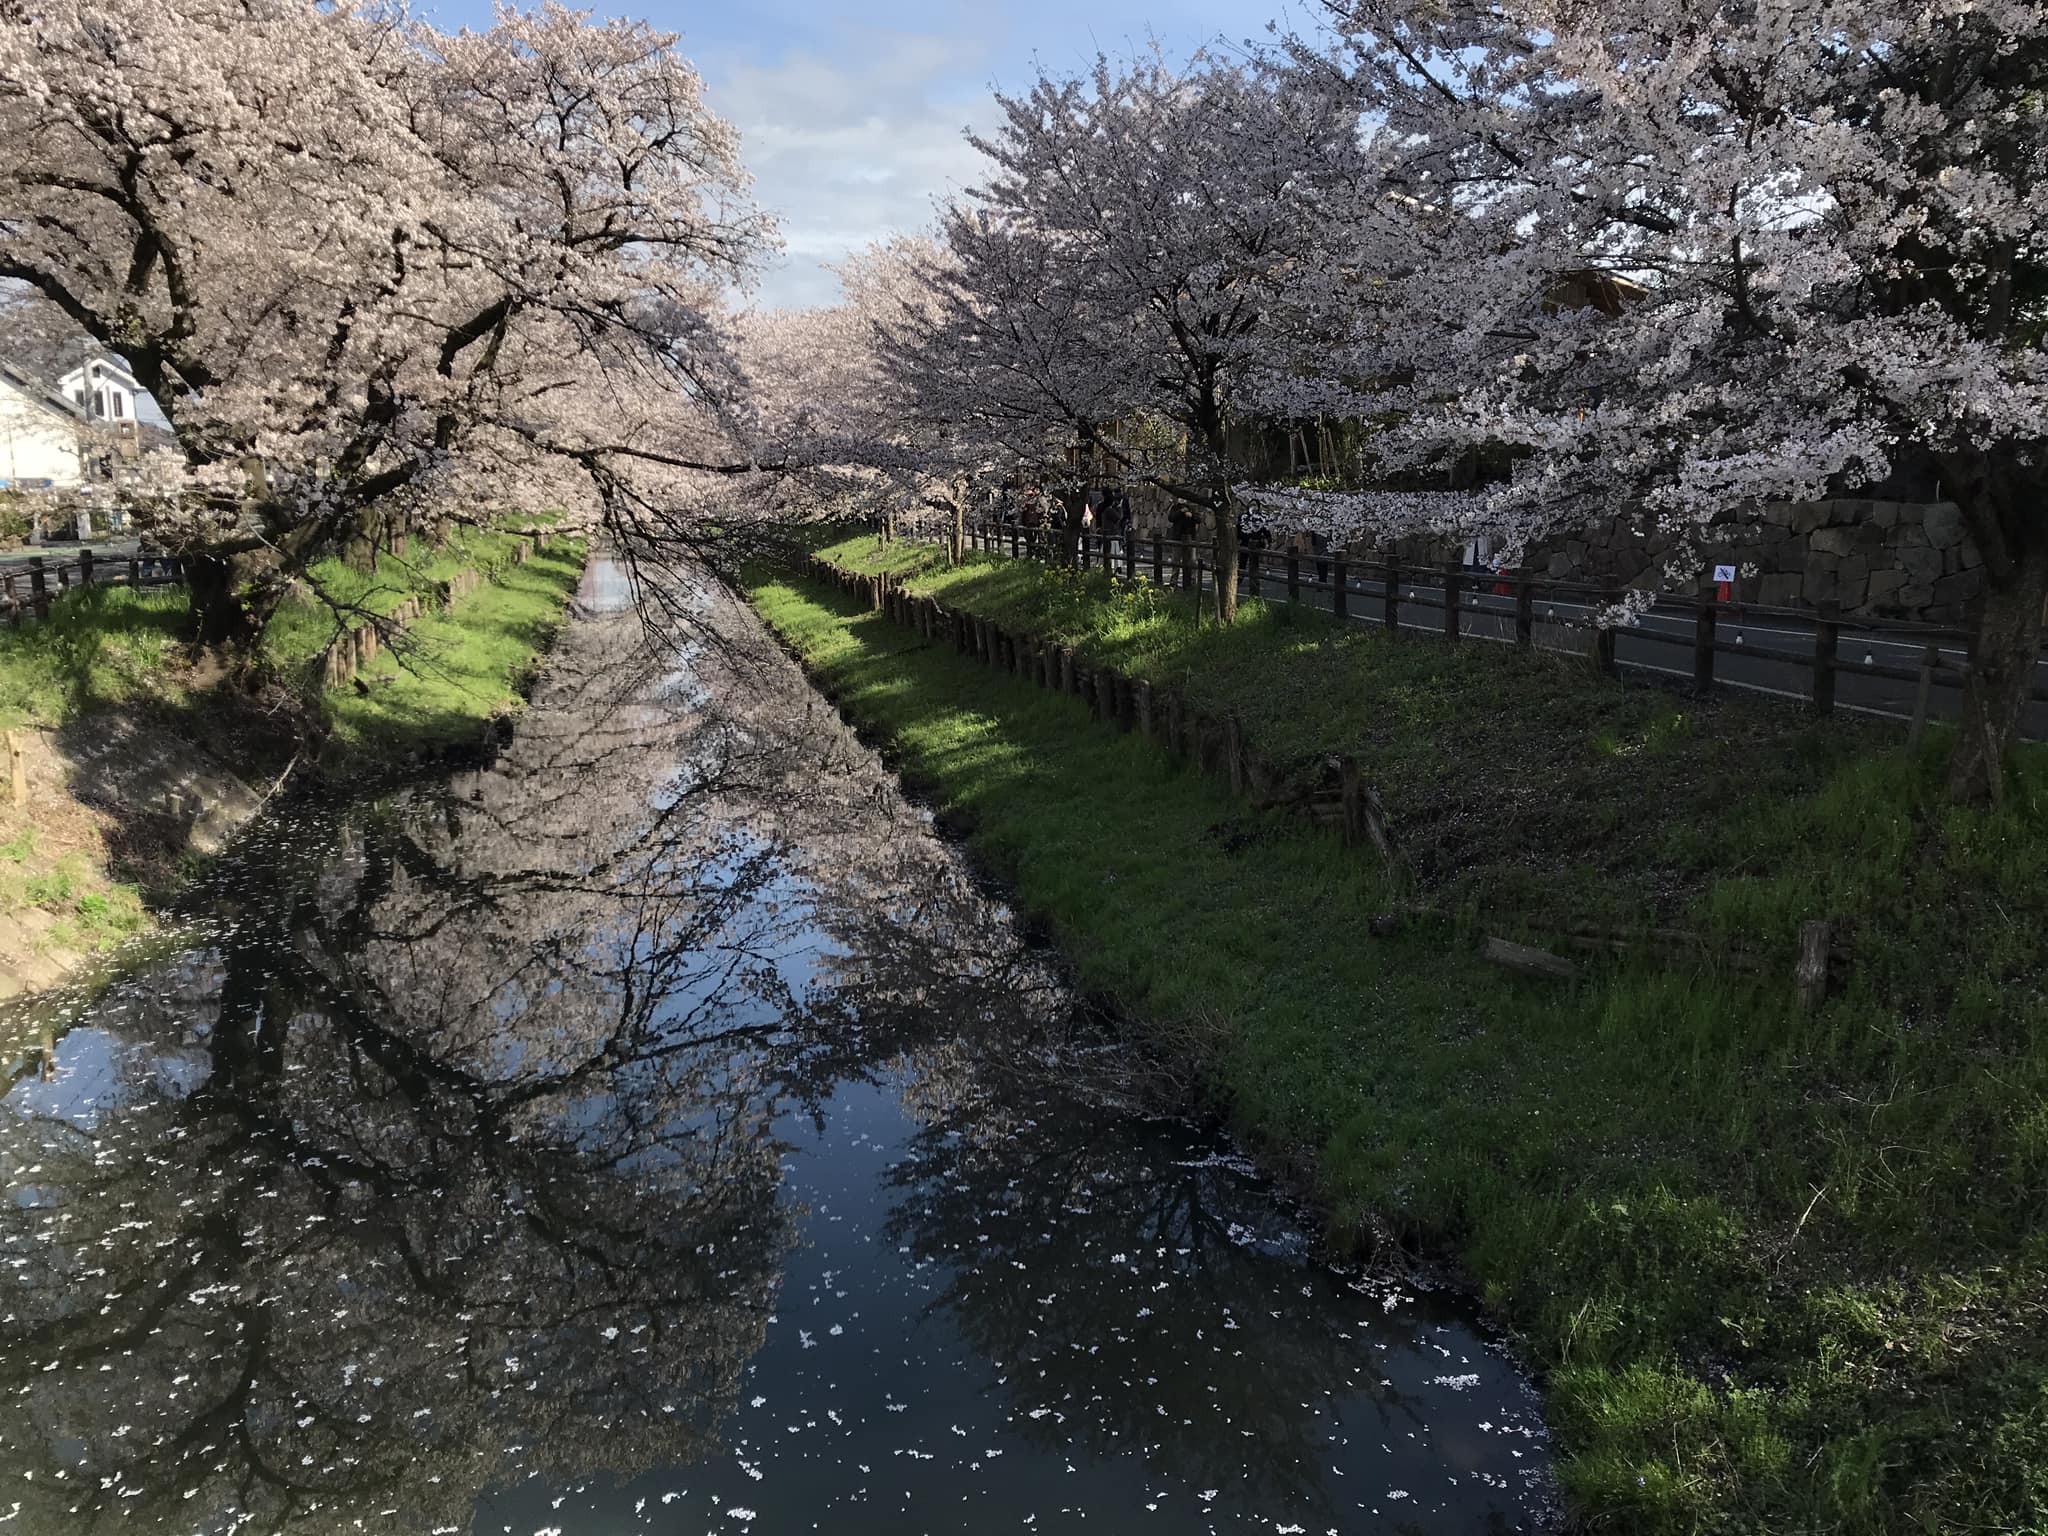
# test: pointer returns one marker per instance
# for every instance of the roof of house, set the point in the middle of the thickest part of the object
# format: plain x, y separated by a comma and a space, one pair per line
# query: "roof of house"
37, 392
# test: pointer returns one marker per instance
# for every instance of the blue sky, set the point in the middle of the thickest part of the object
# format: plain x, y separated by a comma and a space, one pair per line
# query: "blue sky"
852, 119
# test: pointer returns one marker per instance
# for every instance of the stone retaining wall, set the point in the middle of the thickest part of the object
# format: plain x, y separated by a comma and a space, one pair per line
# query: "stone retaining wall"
1890, 559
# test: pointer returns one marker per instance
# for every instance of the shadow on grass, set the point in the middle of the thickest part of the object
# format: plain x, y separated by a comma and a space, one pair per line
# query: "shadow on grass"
100, 645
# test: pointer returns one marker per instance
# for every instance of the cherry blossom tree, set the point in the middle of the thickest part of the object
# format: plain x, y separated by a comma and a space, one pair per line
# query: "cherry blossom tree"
374, 273
1818, 225
1132, 254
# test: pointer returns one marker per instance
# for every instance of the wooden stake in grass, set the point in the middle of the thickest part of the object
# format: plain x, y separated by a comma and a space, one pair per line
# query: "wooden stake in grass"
1353, 792
1815, 940
1525, 960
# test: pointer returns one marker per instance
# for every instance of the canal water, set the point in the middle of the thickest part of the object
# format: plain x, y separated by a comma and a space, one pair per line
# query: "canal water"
662, 1131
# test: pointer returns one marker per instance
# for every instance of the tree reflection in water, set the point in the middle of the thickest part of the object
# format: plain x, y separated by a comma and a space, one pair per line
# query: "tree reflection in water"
447, 1154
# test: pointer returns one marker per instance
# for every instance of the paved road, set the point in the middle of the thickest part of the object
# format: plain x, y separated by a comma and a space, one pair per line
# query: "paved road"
1662, 642
65, 552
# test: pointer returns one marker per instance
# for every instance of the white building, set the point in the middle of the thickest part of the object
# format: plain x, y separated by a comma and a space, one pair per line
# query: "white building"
40, 435
103, 390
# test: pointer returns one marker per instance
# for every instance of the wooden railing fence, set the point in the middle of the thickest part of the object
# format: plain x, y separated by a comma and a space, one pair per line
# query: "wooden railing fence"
1520, 608
28, 587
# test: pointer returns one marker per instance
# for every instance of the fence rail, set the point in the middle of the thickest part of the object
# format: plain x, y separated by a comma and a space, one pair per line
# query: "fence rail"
28, 587
1700, 638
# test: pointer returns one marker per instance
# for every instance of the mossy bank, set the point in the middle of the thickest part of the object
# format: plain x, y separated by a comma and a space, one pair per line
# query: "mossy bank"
1783, 1272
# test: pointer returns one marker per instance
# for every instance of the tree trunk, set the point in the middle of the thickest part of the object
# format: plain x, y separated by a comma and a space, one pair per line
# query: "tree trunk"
956, 537
232, 598
1226, 559
2005, 645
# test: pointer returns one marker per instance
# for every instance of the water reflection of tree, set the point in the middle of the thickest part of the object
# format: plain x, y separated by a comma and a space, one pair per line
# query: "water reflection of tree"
1109, 1265
474, 1183
478, 1179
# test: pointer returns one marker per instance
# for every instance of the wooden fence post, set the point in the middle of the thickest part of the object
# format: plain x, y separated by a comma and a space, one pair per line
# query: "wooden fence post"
1233, 749
1176, 725
1930, 659
1705, 626
1453, 580
1354, 800
13, 602
1340, 589
1141, 703
1158, 562
1293, 576
1811, 975
1603, 641
85, 567
134, 571
1525, 610
1826, 637
39, 586
1393, 592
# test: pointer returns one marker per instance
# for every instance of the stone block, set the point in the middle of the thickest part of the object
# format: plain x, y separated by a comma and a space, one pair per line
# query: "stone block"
1968, 557
1959, 588
1884, 586
1922, 566
1779, 514
1807, 516
1782, 590
1916, 594
1884, 514
1853, 588
1944, 523
1836, 540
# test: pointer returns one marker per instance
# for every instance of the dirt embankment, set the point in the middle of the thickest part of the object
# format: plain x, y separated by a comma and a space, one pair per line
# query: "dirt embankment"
112, 809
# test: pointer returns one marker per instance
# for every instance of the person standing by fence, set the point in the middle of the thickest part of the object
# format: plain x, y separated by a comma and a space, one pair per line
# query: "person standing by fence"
1116, 517
1183, 523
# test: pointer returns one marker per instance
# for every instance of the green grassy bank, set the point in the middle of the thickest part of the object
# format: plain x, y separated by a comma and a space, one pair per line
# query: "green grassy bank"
1782, 1272
75, 880
458, 666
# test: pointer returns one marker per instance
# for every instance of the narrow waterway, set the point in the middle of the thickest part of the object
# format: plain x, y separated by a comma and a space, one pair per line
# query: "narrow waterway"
662, 1131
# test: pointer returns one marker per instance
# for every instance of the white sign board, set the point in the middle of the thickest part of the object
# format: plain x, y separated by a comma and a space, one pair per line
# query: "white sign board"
1724, 573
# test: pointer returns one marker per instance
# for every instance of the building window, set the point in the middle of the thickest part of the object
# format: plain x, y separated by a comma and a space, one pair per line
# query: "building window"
117, 405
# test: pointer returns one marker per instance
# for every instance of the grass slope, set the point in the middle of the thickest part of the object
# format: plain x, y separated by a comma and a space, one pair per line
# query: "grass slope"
456, 667
100, 646
70, 886
1783, 1273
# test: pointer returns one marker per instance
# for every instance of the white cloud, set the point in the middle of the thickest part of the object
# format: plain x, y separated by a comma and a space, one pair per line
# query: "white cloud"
851, 138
